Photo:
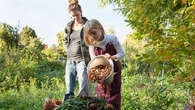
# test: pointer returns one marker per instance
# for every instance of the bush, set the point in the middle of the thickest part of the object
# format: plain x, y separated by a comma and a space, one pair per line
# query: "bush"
140, 92
29, 97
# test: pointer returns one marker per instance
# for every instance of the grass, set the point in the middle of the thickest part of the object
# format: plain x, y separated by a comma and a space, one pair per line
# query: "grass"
139, 92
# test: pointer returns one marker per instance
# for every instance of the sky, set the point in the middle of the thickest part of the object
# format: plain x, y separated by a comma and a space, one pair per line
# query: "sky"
48, 17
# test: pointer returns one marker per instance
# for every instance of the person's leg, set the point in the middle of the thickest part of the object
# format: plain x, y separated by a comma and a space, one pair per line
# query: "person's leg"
70, 78
82, 78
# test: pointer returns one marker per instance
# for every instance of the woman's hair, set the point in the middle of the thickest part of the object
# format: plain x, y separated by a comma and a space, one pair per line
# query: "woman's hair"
89, 26
74, 7
73, 1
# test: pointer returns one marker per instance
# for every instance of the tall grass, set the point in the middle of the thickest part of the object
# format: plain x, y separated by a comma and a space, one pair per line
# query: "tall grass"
29, 97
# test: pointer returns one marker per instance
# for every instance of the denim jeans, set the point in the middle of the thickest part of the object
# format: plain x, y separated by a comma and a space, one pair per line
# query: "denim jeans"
74, 69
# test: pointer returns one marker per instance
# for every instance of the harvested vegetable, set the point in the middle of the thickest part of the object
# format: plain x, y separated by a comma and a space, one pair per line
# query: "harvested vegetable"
98, 72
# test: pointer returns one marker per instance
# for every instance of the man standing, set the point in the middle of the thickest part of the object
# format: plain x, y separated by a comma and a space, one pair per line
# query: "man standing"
77, 53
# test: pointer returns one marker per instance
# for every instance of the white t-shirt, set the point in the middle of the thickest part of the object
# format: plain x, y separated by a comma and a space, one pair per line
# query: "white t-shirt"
102, 44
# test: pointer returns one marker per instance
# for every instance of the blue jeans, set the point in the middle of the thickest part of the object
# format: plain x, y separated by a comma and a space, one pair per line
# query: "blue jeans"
74, 69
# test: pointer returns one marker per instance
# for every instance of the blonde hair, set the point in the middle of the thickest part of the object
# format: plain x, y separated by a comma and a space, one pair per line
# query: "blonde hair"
90, 25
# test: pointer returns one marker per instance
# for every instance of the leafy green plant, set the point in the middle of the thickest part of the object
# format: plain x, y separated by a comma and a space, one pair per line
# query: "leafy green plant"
153, 93
83, 103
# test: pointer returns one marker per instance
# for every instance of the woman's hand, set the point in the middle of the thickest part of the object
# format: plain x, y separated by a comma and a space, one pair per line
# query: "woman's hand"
114, 58
108, 56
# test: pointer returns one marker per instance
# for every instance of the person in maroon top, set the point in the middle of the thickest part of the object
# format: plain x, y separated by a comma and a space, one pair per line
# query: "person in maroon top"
109, 46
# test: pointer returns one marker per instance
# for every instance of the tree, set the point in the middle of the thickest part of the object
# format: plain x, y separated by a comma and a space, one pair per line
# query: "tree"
132, 48
26, 35
8, 43
168, 27
60, 46
8, 36
30, 43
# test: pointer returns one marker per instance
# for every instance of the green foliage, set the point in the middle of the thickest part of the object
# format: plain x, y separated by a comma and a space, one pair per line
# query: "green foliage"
132, 48
168, 28
8, 37
29, 43
19, 64
26, 35
60, 36
20, 71
83, 103
138, 92
54, 53
29, 97
141, 92
60, 47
